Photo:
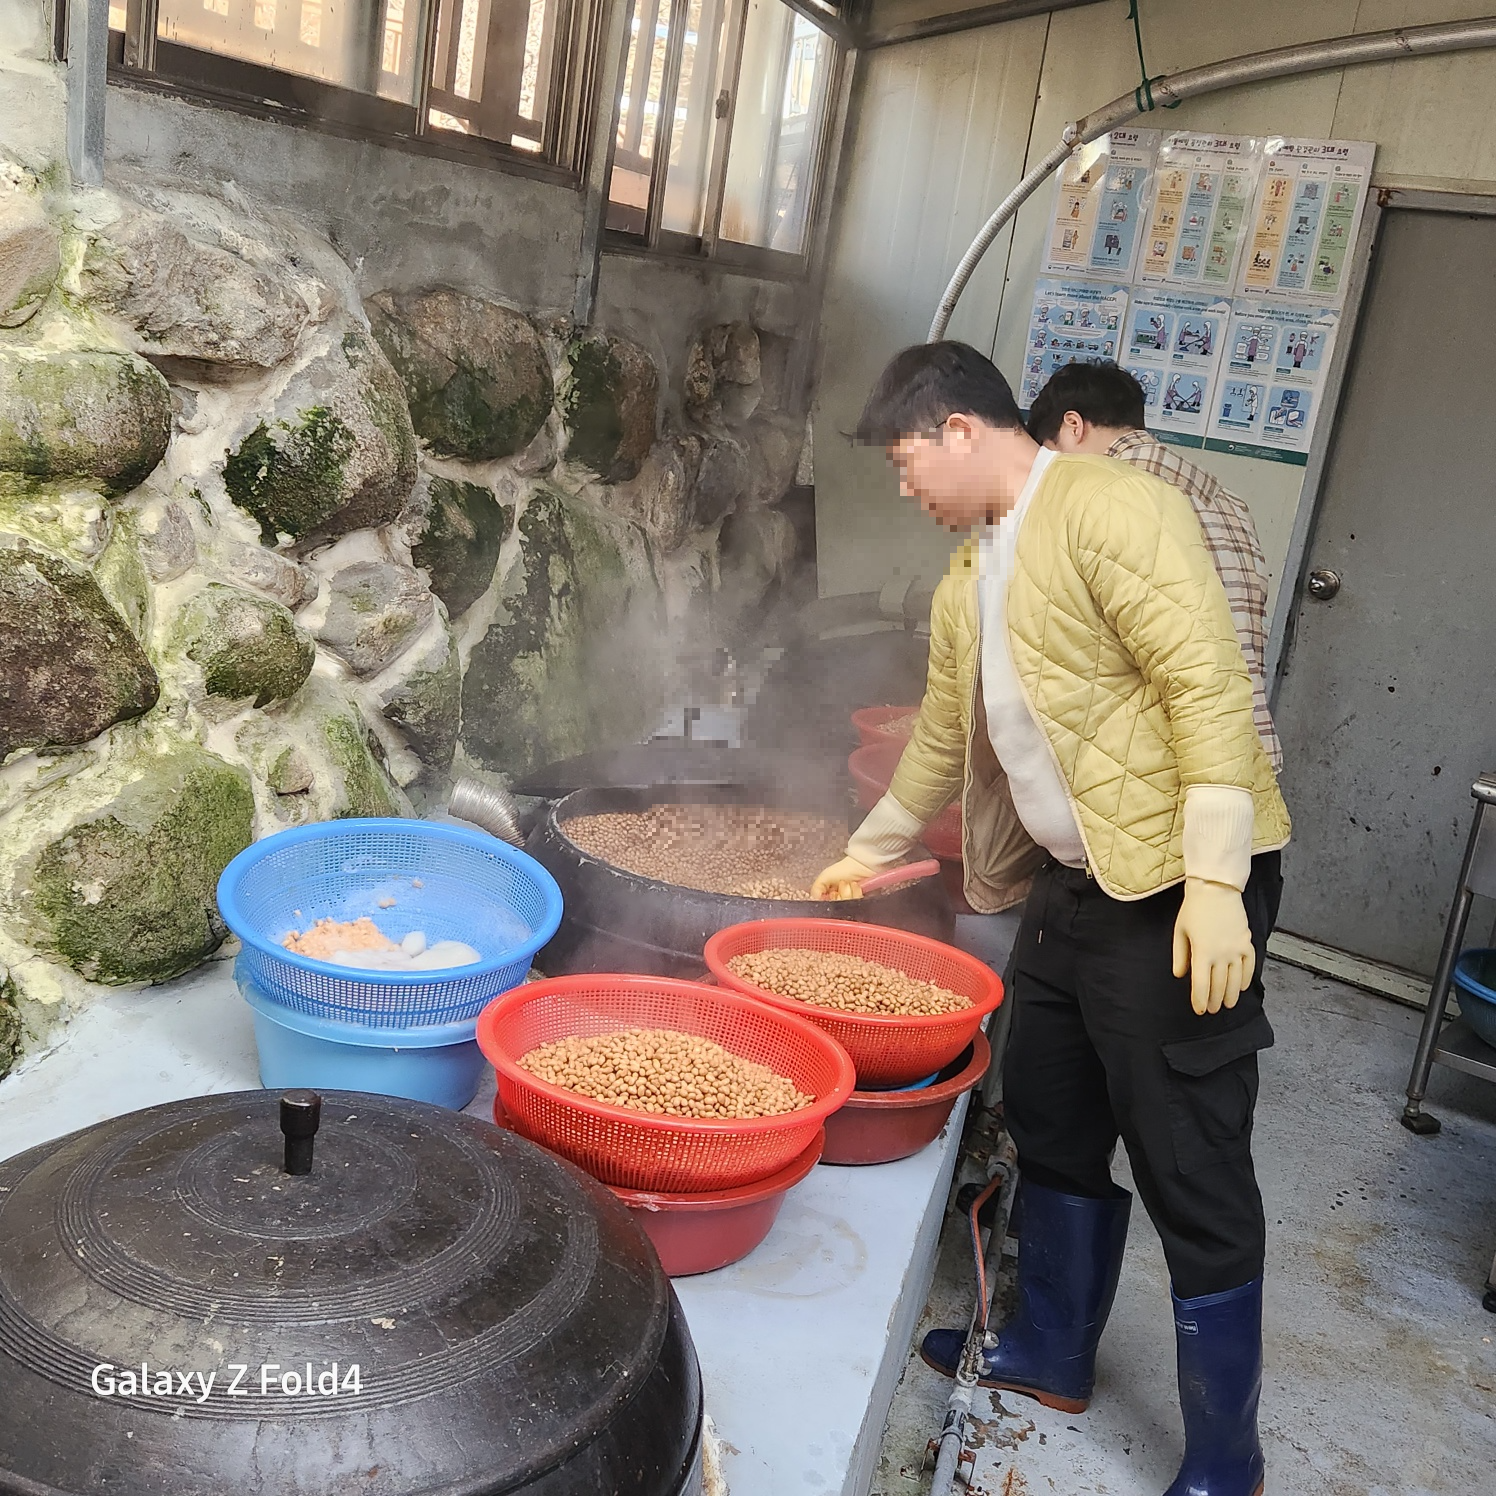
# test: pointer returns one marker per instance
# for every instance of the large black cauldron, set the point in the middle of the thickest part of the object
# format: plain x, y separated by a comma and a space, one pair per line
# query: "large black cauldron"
619, 921
438, 1306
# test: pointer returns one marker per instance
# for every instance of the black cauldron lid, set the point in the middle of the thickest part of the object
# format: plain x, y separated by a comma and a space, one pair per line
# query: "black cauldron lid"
437, 1305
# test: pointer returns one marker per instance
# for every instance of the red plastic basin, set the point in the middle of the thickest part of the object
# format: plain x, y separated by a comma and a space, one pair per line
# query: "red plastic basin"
701, 1233
872, 770
877, 1127
872, 722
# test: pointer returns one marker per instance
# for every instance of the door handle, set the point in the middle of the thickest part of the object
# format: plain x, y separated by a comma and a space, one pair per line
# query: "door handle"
1323, 584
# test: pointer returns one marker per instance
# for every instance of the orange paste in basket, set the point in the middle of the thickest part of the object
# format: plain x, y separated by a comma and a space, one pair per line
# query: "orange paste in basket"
328, 937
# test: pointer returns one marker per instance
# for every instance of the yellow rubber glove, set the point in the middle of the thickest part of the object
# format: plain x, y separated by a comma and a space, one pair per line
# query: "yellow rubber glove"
842, 880
1213, 945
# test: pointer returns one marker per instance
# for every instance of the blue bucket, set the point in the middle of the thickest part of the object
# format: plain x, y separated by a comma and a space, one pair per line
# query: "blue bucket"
1475, 988
451, 882
439, 1063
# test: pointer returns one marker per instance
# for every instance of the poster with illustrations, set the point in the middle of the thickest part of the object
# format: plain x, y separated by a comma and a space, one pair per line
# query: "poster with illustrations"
1101, 198
1310, 200
1202, 203
1173, 348
1272, 378
1071, 322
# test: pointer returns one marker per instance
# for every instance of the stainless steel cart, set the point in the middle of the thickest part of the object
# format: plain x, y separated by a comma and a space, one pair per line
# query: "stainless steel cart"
1455, 1045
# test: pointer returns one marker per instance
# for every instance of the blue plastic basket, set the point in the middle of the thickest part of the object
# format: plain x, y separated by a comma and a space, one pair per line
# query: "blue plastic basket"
1475, 988
451, 882
440, 1063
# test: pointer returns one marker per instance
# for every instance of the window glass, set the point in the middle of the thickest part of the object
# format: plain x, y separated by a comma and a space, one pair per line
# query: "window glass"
778, 120
638, 115
491, 75
367, 45
702, 69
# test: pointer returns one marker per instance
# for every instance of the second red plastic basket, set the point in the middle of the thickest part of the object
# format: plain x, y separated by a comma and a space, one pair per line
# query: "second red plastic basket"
872, 771
885, 724
645, 1150
887, 1051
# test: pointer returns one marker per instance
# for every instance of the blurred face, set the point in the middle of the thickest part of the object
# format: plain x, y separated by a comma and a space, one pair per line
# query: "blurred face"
951, 473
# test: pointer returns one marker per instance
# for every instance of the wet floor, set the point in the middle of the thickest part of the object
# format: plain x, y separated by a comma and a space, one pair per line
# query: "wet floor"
1380, 1361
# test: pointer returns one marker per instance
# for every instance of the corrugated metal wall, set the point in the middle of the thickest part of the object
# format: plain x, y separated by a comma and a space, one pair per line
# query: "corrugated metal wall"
943, 131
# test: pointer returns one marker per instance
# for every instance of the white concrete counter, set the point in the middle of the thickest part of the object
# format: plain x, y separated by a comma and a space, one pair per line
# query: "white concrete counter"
801, 1344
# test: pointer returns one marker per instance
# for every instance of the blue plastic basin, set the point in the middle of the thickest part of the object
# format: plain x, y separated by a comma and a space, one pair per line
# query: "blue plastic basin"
439, 1063
1475, 988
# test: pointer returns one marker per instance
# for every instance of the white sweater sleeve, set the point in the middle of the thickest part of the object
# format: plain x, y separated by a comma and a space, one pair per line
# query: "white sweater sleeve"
1218, 824
886, 837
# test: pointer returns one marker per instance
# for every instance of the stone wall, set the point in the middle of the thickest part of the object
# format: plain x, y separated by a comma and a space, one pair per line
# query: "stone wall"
278, 544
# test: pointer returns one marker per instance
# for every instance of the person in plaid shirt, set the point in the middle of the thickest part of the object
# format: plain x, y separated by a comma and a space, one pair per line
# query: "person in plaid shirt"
1098, 408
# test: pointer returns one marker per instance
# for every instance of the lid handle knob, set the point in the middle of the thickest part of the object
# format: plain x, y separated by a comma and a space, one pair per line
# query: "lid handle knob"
300, 1116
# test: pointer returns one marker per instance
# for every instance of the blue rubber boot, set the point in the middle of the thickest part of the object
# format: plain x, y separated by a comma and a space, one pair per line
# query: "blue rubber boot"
1220, 1379
1069, 1259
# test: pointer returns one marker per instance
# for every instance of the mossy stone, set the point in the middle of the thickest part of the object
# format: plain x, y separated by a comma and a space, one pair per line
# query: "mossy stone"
273, 758
190, 279
465, 529
82, 413
610, 402
284, 473
375, 611
567, 667
475, 373
366, 791
69, 665
128, 893
29, 251
426, 704
248, 647
337, 453
121, 575
12, 1032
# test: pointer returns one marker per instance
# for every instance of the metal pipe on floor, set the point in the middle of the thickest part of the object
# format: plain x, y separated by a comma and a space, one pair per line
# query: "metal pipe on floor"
951, 1442
1255, 67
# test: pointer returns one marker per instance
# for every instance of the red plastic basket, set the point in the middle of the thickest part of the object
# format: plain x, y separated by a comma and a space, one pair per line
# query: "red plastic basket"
872, 722
872, 770
886, 1051
643, 1150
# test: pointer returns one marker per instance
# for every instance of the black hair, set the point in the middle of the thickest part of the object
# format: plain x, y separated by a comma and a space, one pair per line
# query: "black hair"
925, 384
1100, 393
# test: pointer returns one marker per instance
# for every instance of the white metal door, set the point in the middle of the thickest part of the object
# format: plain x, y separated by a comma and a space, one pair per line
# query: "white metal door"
1388, 705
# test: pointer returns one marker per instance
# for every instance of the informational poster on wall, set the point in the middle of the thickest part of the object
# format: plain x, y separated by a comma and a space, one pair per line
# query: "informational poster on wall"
1202, 204
1101, 199
1270, 391
1173, 349
1215, 269
1073, 321
1309, 207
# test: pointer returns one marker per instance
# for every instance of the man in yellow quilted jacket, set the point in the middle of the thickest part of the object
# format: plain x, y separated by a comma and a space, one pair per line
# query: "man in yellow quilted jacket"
1088, 701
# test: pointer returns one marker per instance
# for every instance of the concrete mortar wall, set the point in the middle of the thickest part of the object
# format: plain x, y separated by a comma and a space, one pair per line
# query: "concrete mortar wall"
401, 220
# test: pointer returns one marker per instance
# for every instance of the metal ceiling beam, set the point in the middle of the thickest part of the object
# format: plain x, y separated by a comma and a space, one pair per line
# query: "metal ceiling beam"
963, 20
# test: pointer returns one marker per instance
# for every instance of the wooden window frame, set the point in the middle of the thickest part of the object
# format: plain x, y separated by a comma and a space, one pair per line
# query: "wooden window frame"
140, 59
709, 247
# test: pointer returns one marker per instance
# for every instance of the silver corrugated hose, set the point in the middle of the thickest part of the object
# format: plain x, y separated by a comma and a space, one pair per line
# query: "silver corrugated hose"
487, 806
1282, 62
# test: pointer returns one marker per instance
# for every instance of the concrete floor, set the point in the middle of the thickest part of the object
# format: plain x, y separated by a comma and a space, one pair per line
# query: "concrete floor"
1380, 1361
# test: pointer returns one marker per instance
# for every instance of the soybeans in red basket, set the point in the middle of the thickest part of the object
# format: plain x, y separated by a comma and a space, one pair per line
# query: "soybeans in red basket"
850, 984
666, 1072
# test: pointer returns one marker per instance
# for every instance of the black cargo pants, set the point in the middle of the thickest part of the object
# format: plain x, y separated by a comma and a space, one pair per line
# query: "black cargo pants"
1105, 1044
